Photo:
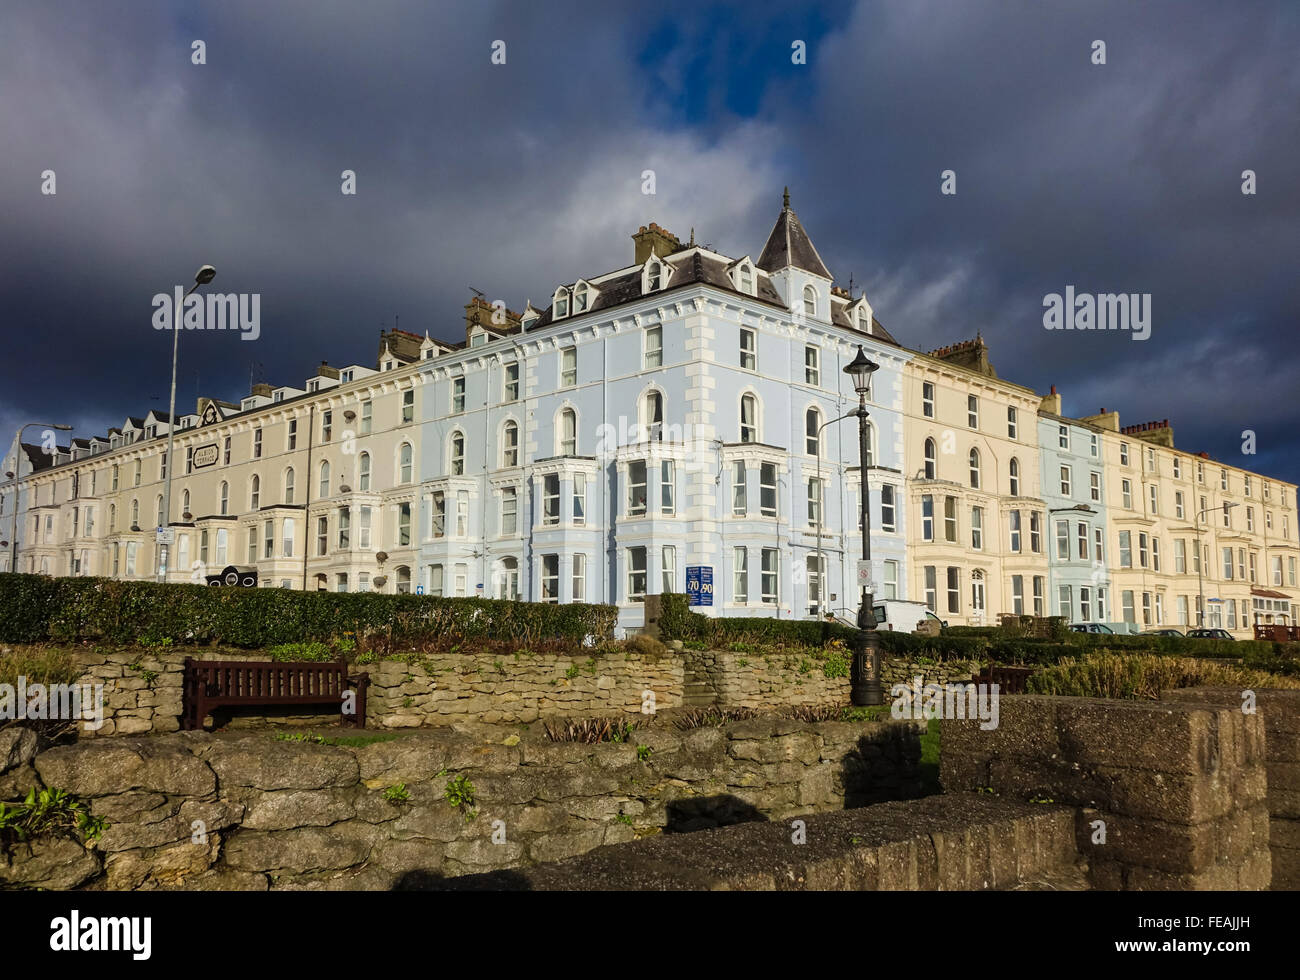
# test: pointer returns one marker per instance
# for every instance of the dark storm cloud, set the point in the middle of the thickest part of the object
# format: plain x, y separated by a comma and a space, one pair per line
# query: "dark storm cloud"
511, 179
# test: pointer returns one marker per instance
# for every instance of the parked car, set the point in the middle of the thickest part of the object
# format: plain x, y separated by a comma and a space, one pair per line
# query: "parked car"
1161, 632
1210, 634
1090, 628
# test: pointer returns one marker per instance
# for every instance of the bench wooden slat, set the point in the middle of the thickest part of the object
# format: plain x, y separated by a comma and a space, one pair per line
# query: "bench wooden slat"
217, 683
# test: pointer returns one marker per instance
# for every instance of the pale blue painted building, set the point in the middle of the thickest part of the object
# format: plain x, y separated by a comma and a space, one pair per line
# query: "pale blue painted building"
661, 417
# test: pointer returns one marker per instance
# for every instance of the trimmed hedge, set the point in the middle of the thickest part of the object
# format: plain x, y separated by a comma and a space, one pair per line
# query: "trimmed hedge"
35, 608
983, 643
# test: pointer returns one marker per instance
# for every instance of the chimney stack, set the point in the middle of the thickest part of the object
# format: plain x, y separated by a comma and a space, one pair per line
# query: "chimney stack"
653, 239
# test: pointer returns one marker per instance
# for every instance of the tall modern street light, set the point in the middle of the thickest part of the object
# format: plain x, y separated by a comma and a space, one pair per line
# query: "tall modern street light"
14, 476
865, 674
1201, 559
201, 278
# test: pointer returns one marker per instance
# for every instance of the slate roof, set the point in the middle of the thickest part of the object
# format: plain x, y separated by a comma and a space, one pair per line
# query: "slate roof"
789, 244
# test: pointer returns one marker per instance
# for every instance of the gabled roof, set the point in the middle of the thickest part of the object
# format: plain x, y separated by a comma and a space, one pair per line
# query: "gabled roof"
789, 245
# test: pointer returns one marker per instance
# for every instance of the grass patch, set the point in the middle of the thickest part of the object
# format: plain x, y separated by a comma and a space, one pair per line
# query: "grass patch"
930, 745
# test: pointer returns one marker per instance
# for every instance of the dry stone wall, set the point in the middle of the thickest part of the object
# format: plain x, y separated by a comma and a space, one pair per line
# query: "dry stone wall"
142, 691
245, 811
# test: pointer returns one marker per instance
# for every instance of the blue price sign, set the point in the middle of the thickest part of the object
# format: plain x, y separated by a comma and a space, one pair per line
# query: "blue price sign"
699, 585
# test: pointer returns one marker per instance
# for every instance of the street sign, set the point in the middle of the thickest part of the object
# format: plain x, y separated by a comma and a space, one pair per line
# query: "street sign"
864, 574
166, 535
699, 585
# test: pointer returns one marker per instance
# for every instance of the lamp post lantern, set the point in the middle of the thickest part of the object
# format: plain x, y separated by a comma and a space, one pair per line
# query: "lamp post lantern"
866, 686
201, 278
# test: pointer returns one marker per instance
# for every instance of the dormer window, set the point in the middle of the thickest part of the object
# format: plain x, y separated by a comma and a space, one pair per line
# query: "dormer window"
345, 377
580, 298
278, 396
654, 275
864, 321
313, 385
809, 301
561, 303
478, 339
743, 277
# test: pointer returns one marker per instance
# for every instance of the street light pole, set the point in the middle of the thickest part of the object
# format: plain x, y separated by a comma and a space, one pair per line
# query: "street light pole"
866, 686
1200, 562
201, 278
17, 475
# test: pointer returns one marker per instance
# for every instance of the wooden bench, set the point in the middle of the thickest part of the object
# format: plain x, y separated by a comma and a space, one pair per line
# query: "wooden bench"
1010, 680
212, 684
1278, 632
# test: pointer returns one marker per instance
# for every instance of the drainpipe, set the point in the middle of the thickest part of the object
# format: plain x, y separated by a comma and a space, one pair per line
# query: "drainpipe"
307, 533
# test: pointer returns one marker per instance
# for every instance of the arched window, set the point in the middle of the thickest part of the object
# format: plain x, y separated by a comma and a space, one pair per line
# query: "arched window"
975, 468
809, 301
568, 433
1015, 477
653, 407
931, 463
324, 488
746, 279
363, 472
654, 274
162, 521
135, 513
580, 298
223, 498
112, 517
561, 303
288, 485
405, 463
510, 445
748, 418
458, 453
812, 424
864, 321
255, 492
403, 579
185, 502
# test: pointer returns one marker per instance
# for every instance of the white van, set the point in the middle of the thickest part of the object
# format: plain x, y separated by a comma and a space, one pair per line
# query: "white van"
901, 615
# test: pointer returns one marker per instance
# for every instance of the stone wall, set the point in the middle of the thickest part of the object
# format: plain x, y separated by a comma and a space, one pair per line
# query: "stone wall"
755, 680
245, 811
1281, 713
1178, 788
142, 691
961, 842
466, 686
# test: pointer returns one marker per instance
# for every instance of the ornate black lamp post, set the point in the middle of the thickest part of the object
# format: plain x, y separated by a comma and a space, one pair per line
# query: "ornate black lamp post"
865, 674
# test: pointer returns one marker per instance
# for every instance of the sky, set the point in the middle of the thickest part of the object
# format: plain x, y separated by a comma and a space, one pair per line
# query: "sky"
512, 178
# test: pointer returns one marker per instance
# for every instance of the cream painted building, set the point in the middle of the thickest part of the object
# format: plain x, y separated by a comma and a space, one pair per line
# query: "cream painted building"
976, 523
1162, 502
305, 484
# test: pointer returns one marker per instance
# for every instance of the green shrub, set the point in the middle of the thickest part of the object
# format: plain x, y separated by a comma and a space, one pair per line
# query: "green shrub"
47, 812
1144, 676
35, 608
